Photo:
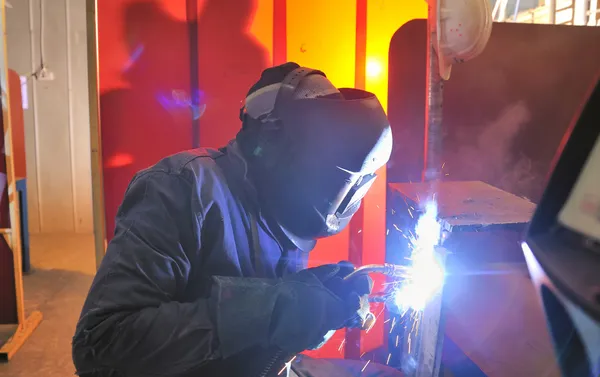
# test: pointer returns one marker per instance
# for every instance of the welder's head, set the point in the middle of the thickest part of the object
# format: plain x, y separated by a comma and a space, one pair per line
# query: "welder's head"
313, 149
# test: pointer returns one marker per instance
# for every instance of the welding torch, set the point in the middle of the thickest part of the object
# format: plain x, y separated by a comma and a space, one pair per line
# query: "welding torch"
396, 271
391, 270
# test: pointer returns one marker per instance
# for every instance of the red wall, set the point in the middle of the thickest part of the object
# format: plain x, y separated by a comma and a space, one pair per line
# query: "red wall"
154, 53
146, 79
17, 124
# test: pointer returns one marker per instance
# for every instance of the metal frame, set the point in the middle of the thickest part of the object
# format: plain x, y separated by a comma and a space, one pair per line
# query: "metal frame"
25, 325
95, 139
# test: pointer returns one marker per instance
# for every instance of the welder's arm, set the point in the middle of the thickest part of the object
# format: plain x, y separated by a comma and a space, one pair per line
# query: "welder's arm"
133, 321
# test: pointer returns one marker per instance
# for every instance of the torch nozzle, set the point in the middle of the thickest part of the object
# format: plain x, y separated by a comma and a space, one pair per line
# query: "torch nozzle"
387, 269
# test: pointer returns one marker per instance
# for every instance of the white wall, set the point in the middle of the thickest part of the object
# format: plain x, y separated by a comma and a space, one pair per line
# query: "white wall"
56, 122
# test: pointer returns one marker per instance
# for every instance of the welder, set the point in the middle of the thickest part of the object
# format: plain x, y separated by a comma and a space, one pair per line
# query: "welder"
206, 274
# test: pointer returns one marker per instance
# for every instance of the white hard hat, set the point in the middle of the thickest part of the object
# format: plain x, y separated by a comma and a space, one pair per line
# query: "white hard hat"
463, 28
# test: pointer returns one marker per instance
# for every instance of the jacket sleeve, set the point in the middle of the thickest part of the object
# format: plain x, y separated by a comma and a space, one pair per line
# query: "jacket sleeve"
134, 321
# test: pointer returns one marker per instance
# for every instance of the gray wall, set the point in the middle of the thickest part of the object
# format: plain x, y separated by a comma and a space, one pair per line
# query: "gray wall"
56, 122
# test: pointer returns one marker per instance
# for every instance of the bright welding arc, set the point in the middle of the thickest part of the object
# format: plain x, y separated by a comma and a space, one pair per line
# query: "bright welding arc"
425, 275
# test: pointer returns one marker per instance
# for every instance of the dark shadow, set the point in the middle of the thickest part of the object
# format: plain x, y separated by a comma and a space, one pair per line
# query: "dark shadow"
230, 61
155, 116
8, 309
8, 304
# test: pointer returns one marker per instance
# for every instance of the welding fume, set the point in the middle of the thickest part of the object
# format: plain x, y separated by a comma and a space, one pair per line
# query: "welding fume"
206, 274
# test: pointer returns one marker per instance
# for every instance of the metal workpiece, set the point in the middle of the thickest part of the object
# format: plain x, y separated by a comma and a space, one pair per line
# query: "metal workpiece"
469, 206
480, 225
423, 334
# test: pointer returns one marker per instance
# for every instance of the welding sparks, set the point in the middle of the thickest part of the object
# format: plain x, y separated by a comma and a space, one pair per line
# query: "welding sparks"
286, 366
365, 367
426, 275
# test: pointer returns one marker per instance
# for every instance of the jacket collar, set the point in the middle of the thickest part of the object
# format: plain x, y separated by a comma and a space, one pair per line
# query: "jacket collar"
237, 173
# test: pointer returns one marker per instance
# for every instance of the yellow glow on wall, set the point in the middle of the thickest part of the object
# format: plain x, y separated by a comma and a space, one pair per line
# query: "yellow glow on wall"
322, 35
384, 17
374, 69
262, 25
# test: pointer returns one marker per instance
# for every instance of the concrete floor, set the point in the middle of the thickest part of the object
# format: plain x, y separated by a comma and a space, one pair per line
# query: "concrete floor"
63, 267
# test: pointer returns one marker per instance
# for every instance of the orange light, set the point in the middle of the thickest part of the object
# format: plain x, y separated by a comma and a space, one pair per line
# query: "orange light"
119, 160
374, 68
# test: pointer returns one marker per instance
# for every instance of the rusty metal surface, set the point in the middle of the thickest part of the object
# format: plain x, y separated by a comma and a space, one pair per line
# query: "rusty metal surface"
471, 205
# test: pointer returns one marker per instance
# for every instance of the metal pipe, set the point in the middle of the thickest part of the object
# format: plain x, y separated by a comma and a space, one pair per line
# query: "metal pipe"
516, 12
593, 13
95, 140
433, 113
551, 12
579, 14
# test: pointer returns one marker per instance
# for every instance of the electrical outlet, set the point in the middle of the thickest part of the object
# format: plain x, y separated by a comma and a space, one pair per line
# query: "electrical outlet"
45, 75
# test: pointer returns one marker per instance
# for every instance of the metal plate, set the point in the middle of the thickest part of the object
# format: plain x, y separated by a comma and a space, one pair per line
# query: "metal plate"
470, 205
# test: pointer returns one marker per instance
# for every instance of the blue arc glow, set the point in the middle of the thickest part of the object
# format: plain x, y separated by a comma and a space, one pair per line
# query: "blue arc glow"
426, 274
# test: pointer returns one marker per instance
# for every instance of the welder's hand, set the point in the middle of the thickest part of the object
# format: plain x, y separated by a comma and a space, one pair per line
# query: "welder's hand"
354, 292
293, 314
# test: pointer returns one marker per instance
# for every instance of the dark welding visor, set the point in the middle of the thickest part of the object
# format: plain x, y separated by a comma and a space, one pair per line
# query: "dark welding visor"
334, 147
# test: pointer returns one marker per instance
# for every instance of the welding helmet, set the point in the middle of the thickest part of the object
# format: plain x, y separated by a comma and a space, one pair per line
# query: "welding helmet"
313, 149
462, 29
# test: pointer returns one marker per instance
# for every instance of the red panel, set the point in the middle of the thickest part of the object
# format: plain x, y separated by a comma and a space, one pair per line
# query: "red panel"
231, 60
147, 104
144, 71
17, 124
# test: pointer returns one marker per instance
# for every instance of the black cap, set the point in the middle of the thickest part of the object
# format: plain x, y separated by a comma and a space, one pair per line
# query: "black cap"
273, 75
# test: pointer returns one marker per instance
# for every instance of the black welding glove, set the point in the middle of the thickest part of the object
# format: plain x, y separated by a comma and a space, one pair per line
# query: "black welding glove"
354, 291
293, 313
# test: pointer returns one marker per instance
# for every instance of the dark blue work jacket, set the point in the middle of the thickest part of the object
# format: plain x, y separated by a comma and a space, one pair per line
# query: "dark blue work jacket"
191, 216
